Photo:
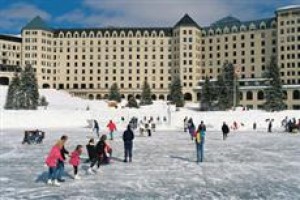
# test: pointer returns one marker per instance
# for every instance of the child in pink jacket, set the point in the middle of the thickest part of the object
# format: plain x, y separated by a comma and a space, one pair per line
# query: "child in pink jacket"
75, 160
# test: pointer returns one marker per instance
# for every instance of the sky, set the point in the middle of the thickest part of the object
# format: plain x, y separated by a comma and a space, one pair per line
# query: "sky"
14, 14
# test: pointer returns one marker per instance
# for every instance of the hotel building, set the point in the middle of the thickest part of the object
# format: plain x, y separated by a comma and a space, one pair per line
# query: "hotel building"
87, 61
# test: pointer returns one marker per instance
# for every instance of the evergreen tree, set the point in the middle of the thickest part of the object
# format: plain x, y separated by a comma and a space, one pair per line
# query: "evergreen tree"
176, 92
29, 93
208, 95
227, 85
274, 91
114, 93
146, 94
132, 103
12, 94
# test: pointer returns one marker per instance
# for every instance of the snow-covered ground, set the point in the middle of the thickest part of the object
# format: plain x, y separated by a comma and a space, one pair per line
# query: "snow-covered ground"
249, 165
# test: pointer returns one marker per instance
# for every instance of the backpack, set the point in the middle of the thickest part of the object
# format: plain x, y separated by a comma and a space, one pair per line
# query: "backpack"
198, 137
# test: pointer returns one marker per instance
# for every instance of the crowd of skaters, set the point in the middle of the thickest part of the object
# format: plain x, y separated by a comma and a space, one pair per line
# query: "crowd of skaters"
99, 153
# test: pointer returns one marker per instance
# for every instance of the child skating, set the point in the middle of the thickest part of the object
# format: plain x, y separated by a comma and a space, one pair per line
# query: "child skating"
75, 160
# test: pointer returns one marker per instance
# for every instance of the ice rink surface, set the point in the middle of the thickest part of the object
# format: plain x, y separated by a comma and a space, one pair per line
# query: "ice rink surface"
249, 165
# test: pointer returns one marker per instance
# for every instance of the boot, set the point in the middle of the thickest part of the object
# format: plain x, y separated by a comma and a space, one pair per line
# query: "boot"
76, 177
49, 182
90, 170
56, 183
125, 160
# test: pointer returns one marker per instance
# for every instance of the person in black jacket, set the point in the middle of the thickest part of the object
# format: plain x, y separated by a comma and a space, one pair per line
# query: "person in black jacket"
128, 137
61, 165
91, 150
225, 130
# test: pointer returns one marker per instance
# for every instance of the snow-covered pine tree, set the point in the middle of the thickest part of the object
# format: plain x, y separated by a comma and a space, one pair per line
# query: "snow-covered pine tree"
274, 91
11, 102
132, 103
114, 93
146, 94
176, 95
29, 93
208, 95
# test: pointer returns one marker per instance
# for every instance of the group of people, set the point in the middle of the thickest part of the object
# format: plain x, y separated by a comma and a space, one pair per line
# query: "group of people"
33, 137
99, 153
290, 125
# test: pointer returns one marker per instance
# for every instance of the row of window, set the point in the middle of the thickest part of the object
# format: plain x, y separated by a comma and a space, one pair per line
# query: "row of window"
261, 95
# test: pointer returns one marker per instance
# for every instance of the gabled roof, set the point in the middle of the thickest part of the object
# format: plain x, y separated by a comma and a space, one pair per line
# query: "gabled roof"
186, 20
37, 23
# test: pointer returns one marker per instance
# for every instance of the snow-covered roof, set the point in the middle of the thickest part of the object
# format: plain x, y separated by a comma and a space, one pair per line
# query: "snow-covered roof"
288, 8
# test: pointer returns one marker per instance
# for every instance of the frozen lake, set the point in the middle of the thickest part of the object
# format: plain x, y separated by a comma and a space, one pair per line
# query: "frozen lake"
249, 165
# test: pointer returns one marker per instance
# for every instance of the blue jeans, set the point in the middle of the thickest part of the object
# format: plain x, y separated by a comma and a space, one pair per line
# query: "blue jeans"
60, 169
128, 149
200, 150
52, 173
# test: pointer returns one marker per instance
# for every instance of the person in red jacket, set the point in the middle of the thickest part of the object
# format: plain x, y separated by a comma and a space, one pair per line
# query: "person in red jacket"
52, 160
112, 127
75, 160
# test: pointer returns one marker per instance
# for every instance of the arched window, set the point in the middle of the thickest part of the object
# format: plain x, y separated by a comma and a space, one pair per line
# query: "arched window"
203, 33
296, 94
285, 95
188, 96
153, 97
122, 34
234, 29
161, 34
260, 95
107, 35
138, 34
75, 35
153, 34
91, 97
161, 97
130, 34
114, 34
69, 35
262, 25
98, 96
243, 28
226, 30
211, 32
252, 26
249, 95
146, 34
61, 35
45, 86
83, 34
4, 81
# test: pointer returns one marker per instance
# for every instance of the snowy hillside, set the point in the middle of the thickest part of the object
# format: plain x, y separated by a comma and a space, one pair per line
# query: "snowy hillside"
65, 111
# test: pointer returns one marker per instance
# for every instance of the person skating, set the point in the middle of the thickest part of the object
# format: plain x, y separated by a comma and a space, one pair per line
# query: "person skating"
185, 124
225, 130
52, 162
102, 152
191, 127
61, 164
91, 150
270, 126
200, 140
128, 137
112, 127
96, 128
75, 160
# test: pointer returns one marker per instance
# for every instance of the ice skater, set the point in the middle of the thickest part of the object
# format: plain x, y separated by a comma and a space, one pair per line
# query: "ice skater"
191, 127
128, 137
112, 128
51, 161
61, 164
200, 140
75, 161
96, 128
91, 150
225, 130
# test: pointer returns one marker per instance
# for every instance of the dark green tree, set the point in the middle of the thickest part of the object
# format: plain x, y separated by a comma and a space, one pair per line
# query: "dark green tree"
176, 95
227, 87
11, 102
114, 93
274, 92
29, 93
146, 94
208, 95
132, 103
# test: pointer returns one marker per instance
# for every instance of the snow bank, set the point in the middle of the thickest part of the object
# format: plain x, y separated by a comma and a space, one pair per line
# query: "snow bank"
65, 111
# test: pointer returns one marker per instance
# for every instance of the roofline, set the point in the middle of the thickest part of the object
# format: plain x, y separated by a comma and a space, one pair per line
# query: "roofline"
10, 38
286, 8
